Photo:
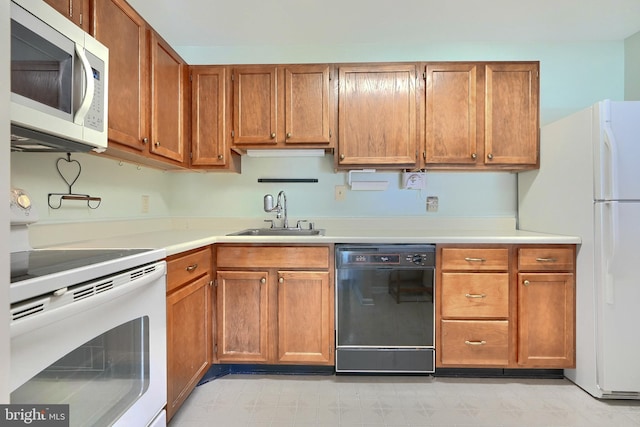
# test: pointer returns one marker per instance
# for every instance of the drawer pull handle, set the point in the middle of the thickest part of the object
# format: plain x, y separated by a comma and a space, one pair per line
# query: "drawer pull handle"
191, 267
475, 342
475, 295
468, 259
546, 259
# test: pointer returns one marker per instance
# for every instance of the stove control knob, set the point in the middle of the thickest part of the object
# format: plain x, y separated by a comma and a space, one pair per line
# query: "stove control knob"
418, 259
23, 201
20, 198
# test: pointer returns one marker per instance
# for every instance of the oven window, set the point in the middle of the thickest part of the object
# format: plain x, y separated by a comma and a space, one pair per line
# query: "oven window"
385, 307
100, 379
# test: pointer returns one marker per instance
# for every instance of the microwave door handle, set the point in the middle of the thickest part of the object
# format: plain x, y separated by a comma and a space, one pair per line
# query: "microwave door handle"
88, 93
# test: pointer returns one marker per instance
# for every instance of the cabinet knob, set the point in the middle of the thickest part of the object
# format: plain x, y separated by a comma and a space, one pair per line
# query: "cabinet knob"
288, 134
220, 157
526, 283
263, 280
273, 135
490, 156
145, 140
341, 156
474, 156
281, 280
157, 144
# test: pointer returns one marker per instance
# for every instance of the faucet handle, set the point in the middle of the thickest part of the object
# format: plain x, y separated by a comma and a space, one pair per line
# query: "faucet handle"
300, 221
269, 221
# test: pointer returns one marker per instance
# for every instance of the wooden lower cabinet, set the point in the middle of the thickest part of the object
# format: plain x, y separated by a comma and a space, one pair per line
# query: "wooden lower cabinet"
546, 307
242, 316
475, 342
189, 324
505, 306
274, 305
304, 303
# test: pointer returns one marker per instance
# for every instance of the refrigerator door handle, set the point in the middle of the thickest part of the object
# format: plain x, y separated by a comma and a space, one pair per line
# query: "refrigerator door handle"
610, 220
610, 164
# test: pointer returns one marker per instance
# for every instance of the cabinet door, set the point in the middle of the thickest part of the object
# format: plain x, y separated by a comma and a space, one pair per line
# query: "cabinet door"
242, 316
304, 310
208, 112
124, 32
546, 320
168, 75
307, 103
76, 11
254, 105
377, 115
189, 324
451, 114
511, 114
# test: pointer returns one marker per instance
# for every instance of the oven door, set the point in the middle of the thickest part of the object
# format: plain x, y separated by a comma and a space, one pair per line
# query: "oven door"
102, 351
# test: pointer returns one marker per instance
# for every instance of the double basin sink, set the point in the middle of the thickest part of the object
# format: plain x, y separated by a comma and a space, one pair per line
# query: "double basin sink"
278, 232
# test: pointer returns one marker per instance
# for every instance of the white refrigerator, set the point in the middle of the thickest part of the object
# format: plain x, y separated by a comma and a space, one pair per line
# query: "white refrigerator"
588, 185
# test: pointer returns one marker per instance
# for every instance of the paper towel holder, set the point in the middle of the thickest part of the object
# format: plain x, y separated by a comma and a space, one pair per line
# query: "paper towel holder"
366, 185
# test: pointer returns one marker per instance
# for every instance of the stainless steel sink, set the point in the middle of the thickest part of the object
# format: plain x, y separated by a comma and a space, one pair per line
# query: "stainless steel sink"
278, 232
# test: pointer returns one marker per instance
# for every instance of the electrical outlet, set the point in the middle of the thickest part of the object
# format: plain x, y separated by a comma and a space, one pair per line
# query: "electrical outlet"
341, 192
145, 204
432, 204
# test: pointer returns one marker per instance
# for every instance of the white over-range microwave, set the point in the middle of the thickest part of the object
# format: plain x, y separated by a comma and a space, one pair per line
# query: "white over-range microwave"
59, 76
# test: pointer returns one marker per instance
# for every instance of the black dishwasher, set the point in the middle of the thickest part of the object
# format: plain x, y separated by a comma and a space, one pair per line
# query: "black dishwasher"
385, 317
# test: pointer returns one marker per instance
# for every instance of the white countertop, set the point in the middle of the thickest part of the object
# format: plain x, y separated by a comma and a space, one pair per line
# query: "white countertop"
179, 235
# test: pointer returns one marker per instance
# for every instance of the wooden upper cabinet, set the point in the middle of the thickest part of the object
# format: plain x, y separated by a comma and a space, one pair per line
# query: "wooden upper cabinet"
276, 106
307, 103
77, 11
377, 115
511, 116
124, 32
482, 116
451, 120
169, 77
208, 116
254, 105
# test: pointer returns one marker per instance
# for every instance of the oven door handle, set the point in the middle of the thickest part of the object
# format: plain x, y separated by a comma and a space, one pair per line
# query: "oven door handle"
22, 326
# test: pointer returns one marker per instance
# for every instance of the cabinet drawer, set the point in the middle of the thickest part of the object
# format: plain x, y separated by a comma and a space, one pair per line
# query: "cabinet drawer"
474, 342
308, 257
475, 259
545, 259
473, 295
183, 269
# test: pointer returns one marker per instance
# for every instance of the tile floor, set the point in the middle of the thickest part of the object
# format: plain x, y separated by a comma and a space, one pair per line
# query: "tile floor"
331, 401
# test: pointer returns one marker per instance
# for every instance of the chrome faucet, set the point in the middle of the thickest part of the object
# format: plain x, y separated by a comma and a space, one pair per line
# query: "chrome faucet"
280, 207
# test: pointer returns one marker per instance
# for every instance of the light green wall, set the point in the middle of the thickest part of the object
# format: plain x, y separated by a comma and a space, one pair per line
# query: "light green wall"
573, 76
632, 68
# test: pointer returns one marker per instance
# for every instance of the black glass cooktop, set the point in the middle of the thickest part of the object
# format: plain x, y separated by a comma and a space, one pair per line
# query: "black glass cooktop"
42, 262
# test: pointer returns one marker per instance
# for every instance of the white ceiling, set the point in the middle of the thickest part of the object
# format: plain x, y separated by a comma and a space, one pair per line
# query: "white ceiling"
344, 22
